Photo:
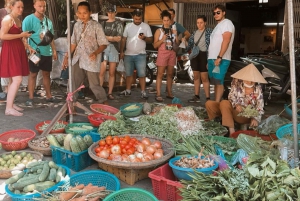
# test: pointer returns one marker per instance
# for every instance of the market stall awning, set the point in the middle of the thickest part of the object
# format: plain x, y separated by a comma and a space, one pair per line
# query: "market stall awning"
209, 1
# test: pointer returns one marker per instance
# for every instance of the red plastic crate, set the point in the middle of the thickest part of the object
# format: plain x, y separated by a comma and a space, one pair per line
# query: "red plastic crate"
165, 185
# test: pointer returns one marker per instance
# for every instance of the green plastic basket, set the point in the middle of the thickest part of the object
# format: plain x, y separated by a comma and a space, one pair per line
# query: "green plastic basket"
131, 113
131, 194
79, 132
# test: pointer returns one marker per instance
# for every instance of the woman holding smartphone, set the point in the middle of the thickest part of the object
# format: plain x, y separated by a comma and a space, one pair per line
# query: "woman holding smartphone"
165, 39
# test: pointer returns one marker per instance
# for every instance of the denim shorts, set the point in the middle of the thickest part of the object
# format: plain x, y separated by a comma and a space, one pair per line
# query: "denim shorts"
217, 78
138, 62
110, 54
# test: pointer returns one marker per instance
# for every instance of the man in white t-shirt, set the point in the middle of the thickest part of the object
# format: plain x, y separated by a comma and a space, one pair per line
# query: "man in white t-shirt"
219, 51
135, 36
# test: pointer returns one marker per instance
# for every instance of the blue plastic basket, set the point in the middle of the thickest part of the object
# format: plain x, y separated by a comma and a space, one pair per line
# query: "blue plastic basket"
287, 130
182, 173
96, 178
30, 197
288, 109
74, 161
131, 194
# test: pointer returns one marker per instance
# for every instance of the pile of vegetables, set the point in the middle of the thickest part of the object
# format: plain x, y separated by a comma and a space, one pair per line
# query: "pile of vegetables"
249, 112
38, 176
70, 142
131, 107
41, 142
12, 139
81, 128
127, 149
102, 111
58, 125
195, 162
79, 192
15, 162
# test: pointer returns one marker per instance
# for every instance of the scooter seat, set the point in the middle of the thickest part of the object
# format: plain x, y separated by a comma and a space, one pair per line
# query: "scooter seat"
271, 61
275, 67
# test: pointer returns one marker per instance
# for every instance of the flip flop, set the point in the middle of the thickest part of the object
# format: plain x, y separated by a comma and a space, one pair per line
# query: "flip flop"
170, 97
159, 99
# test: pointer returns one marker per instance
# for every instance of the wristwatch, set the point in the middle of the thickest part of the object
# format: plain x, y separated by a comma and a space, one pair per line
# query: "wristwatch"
219, 57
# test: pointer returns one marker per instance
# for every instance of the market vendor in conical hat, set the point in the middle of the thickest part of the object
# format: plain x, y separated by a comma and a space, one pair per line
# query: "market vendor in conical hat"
245, 100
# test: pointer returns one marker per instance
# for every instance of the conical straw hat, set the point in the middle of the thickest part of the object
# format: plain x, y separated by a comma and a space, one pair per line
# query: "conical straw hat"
249, 73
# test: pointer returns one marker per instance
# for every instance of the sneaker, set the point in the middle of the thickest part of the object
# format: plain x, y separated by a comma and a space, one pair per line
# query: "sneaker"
144, 95
52, 100
125, 93
195, 99
29, 102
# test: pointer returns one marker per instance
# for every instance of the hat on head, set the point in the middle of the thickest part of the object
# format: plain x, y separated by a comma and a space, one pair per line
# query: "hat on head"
249, 73
111, 9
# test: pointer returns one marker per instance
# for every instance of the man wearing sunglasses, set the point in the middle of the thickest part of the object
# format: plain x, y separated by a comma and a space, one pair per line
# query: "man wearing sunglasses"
219, 51
38, 24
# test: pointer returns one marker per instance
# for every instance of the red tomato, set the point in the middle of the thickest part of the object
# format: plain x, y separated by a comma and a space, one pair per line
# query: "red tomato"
123, 142
102, 143
127, 138
122, 146
116, 140
128, 146
97, 150
109, 141
124, 151
109, 137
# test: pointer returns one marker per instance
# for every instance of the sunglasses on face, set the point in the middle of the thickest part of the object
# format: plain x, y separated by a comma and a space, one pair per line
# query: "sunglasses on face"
218, 13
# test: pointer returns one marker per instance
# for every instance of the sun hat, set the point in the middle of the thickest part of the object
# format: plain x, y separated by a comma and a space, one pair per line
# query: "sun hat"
249, 73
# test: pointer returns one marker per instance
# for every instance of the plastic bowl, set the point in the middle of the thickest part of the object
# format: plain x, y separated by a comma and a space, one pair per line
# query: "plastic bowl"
289, 110
61, 130
253, 133
98, 119
182, 173
104, 109
24, 136
133, 112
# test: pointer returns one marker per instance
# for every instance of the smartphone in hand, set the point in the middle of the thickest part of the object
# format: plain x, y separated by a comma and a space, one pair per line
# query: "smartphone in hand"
31, 32
141, 34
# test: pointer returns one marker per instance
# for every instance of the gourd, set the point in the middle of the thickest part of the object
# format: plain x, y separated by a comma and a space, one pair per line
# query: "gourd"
83, 146
40, 186
33, 164
15, 178
53, 165
52, 140
60, 174
88, 140
46, 169
22, 184
52, 175
74, 145
67, 142
60, 139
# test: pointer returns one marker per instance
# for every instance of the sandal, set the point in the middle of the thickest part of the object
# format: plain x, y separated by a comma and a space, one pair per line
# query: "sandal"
24, 89
110, 97
13, 112
29, 102
159, 99
170, 97
17, 108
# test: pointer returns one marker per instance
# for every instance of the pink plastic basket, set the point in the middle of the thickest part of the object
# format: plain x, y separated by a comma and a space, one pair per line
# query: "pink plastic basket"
24, 135
104, 109
165, 185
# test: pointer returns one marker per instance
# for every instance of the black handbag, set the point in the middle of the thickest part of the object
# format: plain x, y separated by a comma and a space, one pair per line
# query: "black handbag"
48, 37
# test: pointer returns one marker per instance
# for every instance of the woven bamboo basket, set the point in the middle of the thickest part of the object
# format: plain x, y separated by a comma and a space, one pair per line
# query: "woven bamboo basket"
4, 174
131, 172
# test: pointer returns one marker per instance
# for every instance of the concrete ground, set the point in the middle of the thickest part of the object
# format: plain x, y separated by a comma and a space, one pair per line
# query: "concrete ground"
42, 111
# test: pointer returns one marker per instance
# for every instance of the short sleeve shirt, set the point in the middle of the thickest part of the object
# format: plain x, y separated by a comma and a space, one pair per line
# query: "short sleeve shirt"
134, 45
216, 39
32, 23
86, 43
180, 29
113, 29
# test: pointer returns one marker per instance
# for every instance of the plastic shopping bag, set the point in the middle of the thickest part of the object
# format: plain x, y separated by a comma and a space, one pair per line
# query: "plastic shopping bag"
216, 69
121, 67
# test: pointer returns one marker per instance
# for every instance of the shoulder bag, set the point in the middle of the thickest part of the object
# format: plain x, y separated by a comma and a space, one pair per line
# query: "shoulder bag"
196, 49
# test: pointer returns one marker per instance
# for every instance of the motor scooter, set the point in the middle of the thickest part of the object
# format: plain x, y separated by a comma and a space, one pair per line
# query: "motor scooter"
181, 69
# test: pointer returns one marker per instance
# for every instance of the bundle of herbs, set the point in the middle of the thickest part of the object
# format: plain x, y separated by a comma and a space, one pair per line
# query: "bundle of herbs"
271, 124
229, 185
117, 127
249, 112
